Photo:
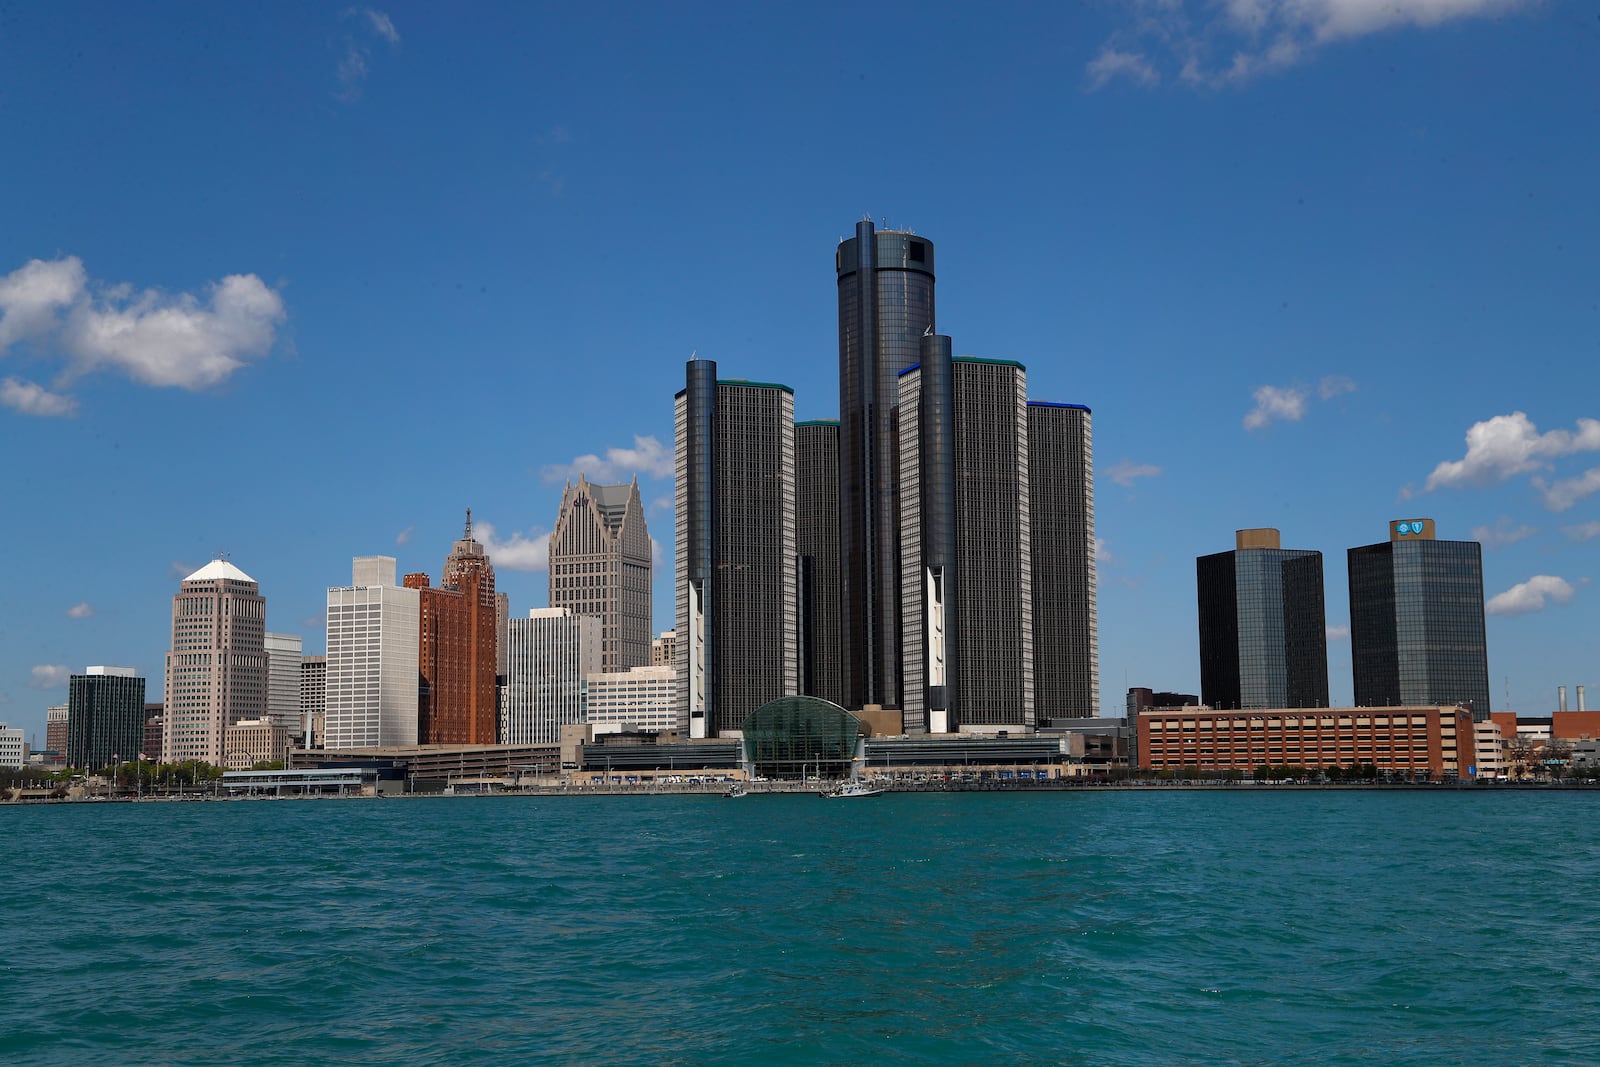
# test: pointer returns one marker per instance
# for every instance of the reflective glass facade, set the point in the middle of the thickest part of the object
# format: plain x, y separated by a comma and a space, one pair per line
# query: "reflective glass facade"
795, 735
1263, 629
1416, 624
817, 539
105, 719
885, 306
1066, 626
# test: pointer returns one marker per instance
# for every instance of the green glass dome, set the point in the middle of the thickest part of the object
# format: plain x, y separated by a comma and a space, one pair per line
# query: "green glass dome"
792, 736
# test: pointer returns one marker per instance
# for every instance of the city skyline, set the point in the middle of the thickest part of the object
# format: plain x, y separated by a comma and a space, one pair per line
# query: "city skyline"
1320, 297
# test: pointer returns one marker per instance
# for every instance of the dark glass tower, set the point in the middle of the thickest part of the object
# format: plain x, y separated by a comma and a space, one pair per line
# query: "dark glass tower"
885, 306
1066, 628
1416, 621
816, 449
737, 603
1263, 625
105, 717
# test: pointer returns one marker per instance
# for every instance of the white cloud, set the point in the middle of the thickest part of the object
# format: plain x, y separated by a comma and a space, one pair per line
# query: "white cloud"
1507, 445
1562, 494
648, 457
1221, 43
49, 676
1335, 385
662, 505
180, 570
181, 340
356, 62
659, 553
1111, 64
314, 622
1286, 404
1338, 633
1102, 551
1529, 596
404, 536
1587, 531
1504, 532
81, 610
1125, 472
30, 399
519, 552
383, 25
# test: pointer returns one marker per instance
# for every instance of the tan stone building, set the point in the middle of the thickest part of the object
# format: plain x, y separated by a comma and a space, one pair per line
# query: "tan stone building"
216, 671
251, 741
600, 565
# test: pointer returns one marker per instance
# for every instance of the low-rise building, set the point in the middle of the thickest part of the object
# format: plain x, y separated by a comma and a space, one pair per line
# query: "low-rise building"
1494, 760
13, 747
639, 699
251, 741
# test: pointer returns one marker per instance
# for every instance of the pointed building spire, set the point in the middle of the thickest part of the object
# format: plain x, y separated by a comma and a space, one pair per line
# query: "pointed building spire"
467, 536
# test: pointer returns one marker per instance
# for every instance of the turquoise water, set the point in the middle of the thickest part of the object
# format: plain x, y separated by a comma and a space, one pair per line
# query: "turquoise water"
1141, 927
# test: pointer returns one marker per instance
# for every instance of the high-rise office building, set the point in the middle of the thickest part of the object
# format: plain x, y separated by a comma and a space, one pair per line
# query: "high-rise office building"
886, 304
457, 637
1416, 621
55, 728
548, 657
216, 672
816, 454
373, 659
154, 720
105, 717
1263, 626
736, 561
640, 698
1066, 620
664, 649
600, 565
284, 652
313, 700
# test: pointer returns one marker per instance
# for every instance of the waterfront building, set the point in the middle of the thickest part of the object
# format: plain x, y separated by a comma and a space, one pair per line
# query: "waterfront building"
154, 719
313, 700
216, 670
886, 304
816, 451
456, 701
735, 577
373, 659
1416, 620
1263, 626
105, 717
55, 728
664, 649
638, 699
251, 741
284, 652
600, 565
13, 747
1420, 743
550, 655
1066, 621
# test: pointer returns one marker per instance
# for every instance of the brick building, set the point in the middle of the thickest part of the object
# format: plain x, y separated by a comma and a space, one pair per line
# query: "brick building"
457, 638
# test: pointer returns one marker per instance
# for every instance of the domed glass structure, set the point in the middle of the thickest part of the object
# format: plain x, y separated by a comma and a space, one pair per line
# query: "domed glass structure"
793, 736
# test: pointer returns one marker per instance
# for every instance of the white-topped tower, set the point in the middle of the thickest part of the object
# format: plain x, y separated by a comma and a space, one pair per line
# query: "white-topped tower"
216, 671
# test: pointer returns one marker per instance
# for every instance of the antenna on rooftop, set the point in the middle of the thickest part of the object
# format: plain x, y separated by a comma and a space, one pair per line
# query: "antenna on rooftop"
467, 536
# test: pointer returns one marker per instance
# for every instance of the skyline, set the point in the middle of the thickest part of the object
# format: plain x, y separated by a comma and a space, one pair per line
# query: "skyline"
1339, 284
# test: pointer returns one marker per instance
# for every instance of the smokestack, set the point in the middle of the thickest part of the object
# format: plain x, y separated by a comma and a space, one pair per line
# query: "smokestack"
1580, 699
1561, 698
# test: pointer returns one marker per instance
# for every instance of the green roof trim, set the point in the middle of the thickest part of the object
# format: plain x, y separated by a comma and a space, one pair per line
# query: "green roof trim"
990, 362
756, 385
818, 422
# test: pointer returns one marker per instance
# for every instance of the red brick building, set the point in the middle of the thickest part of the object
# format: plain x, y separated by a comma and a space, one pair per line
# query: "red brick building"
1432, 742
457, 647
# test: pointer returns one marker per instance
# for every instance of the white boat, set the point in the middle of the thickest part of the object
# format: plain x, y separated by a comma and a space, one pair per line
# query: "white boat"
853, 789
734, 792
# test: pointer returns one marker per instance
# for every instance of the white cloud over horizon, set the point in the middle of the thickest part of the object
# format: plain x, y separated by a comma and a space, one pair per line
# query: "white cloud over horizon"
1276, 403
1586, 531
1125, 472
1504, 532
81, 610
1338, 633
404, 536
1504, 446
49, 675
1532, 595
356, 62
518, 552
1102, 551
176, 340
1565, 492
1218, 44
648, 457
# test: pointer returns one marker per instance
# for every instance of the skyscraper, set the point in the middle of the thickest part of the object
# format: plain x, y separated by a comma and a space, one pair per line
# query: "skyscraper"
55, 728
105, 717
373, 659
600, 565
313, 700
548, 656
816, 451
885, 306
1417, 632
1263, 627
457, 633
284, 652
736, 561
1066, 622
216, 672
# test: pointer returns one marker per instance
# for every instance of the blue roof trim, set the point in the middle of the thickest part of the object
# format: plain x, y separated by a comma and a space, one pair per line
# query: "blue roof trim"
1052, 404
908, 370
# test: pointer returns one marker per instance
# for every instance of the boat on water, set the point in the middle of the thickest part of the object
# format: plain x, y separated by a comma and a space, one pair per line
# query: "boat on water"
853, 789
734, 792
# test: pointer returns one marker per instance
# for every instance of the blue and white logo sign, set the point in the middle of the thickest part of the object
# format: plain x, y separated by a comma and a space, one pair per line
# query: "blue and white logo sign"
1404, 528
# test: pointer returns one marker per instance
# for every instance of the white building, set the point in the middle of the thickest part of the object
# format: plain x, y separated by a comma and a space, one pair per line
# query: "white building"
216, 671
284, 652
373, 658
548, 657
640, 698
13, 749
1493, 751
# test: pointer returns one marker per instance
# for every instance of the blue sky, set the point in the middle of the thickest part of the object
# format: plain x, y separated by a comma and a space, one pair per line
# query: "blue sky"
302, 282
